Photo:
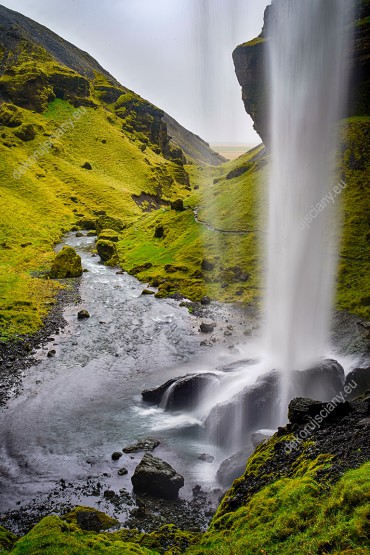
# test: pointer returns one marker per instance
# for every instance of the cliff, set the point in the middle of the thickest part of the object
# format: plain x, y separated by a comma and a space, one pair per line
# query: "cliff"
250, 62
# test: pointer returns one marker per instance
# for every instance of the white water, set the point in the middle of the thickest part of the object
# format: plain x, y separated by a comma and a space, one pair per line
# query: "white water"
307, 49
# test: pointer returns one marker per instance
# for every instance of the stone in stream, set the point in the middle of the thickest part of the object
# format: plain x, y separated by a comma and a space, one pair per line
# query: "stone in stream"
67, 264
52, 353
116, 455
147, 444
122, 471
157, 478
181, 393
83, 314
147, 292
207, 326
206, 458
205, 300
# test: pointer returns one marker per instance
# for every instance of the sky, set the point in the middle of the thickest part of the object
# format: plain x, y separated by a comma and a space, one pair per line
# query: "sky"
175, 53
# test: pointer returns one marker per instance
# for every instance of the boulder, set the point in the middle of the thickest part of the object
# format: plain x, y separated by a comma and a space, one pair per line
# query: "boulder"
181, 393
109, 235
207, 326
122, 471
116, 455
321, 381
206, 458
157, 478
233, 467
67, 264
83, 314
147, 292
301, 410
26, 132
106, 249
147, 444
109, 222
358, 380
89, 521
87, 166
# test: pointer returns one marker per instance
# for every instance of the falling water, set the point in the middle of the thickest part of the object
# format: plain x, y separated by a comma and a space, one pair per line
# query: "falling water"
308, 42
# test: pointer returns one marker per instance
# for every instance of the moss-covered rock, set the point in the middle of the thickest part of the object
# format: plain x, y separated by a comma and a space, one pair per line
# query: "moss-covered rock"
7, 539
105, 222
10, 115
109, 235
88, 223
106, 250
77, 516
67, 264
26, 132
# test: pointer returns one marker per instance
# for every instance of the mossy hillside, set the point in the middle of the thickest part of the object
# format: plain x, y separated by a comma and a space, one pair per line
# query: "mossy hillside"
56, 192
354, 267
297, 515
226, 203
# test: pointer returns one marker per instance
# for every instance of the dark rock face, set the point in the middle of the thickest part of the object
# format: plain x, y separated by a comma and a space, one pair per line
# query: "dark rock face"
147, 444
250, 63
358, 380
181, 393
156, 477
67, 264
177, 205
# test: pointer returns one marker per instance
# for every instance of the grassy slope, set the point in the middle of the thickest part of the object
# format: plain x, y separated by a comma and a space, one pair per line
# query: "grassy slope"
51, 195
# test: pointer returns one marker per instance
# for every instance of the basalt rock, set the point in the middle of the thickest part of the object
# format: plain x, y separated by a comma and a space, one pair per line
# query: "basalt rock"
147, 444
106, 249
157, 478
358, 381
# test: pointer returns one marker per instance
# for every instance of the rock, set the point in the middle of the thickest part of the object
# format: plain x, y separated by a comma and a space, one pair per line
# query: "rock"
207, 265
109, 494
207, 326
87, 223
205, 300
181, 393
88, 520
322, 381
52, 353
233, 467
206, 458
358, 380
116, 455
138, 269
301, 410
176, 296
79, 234
109, 235
105, 222
122, 471
147, 444
260, 436
87, 166
147, 292
106, 249
159, 232
178, 205
156, 477
83, 314
67, 264
26, 132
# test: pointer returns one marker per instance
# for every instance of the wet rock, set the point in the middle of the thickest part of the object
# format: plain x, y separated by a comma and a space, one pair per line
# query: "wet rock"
88, 520
322, 381
205, 300
207, 326
122, 472
147, 444
181, 393
233, 467
302, 411
147, 292
206, 458
109, 235
52, 353
116, 455
67, 264
106, 249
79, 234
109, 494
83, 314
260, 436
358, 381
156, 477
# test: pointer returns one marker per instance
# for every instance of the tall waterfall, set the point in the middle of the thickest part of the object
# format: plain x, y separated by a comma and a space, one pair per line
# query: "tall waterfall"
308, 43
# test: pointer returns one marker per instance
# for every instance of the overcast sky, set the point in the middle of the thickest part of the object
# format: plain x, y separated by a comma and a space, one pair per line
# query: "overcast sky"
175, 53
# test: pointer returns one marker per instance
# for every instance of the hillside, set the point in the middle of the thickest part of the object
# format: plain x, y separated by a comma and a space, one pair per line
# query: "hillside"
54, 99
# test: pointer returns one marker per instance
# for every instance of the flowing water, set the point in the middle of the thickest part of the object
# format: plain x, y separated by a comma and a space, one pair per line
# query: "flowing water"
308, 46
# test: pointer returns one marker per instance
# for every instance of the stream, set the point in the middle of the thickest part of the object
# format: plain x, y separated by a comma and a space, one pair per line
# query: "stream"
76, 408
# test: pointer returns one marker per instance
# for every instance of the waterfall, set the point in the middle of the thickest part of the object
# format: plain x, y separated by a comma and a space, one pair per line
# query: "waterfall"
307, 47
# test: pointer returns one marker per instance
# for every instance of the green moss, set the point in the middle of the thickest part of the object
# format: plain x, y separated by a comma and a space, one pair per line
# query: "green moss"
67, 264
105, 520
7, 540
107, 251
109, 235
